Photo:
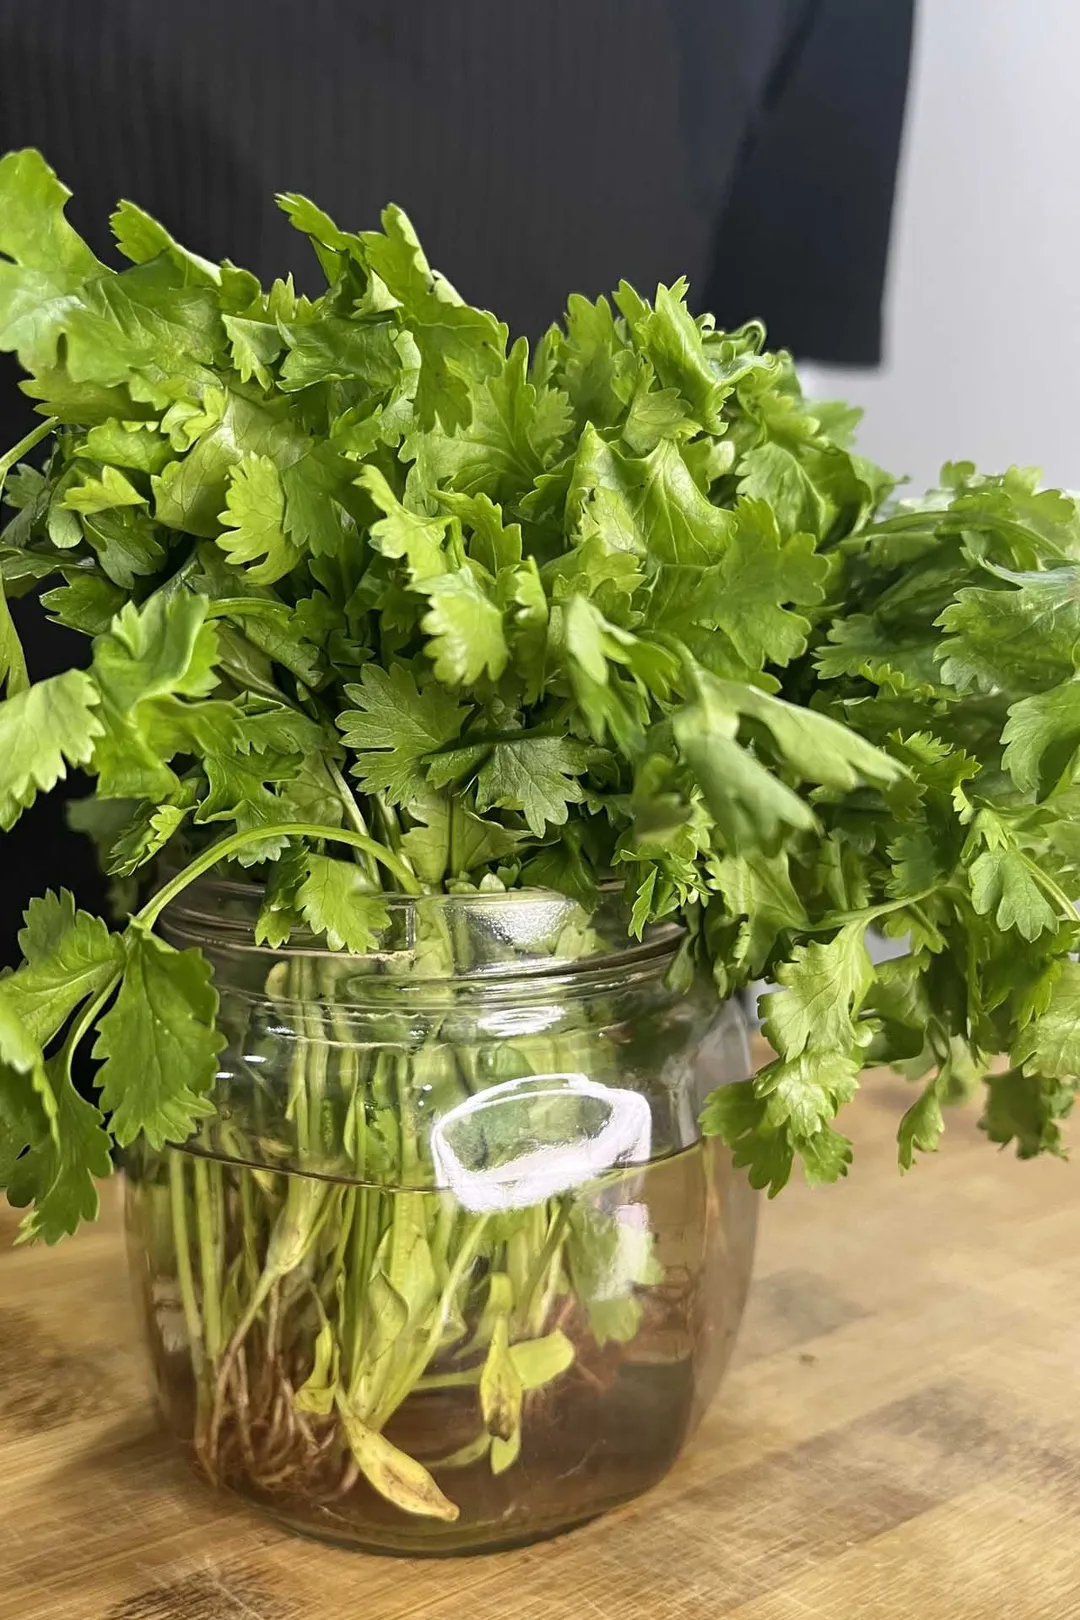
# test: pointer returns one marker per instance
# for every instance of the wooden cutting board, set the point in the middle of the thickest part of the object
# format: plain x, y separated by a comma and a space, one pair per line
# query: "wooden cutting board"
899, 1438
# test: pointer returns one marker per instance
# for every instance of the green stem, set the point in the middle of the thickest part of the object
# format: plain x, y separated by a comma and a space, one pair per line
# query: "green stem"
210, 1255
225, 847
185, 1276
555, 1234
12, 457
837, 919
352, 811
406, 1382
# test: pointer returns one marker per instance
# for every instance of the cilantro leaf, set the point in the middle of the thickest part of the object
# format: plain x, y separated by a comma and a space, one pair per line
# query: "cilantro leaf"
922, 1125
44, 729
419, 540
335, 899
1050, 1044
536, 775
455, 341
1002, 882
158, 1043
254, 516
393, 725
450, 840
822, 988
59, 1175
42, 259
514, 430
68, 956
464, 627
1042, 739
99, 494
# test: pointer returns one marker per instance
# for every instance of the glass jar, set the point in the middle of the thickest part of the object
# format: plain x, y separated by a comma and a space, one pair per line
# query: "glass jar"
447, 1265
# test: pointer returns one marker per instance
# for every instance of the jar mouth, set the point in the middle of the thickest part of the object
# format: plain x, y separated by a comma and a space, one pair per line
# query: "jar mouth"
506, 934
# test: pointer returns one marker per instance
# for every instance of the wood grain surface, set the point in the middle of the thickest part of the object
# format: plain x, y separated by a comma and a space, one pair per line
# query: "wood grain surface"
899, 1438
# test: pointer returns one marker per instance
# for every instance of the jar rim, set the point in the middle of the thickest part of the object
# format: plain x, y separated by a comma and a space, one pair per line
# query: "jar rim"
482, 935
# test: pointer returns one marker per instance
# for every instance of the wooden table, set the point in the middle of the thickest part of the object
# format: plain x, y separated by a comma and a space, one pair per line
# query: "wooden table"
899, 1437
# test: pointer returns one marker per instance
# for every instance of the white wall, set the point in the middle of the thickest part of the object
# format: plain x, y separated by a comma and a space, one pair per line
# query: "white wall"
983, 330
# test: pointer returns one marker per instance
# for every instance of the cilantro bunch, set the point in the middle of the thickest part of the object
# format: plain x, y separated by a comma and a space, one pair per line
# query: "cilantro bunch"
377, 601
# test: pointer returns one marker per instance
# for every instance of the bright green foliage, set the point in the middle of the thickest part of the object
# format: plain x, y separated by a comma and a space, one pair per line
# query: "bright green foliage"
361, 566
158, 1042
335, 900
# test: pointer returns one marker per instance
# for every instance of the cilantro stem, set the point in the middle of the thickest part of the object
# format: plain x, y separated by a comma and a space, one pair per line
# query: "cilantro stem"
352, 810
12, 457
185, 1275
838, 919
225, 847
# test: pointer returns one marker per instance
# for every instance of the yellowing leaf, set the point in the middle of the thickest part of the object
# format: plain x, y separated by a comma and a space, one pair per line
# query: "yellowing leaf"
394, 1474
501, 1388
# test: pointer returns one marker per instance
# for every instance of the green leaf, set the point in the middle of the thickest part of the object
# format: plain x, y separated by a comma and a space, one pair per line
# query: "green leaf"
13, 672
147, 834
816, 747
280, 911
902, 661
27, 1102
675, 344
149, 664
1017, 640
68, 956
336, 899
42, 259
393, 726
451, 841
402, 533
59, 1175
1002, 882
1027, 1109
748, 597
141, 239
540, 1361
751, 806
456, 342
922, 1125
737, 1116
822, 988
43, 730
1042, 737
536, 775
514, 430
88, 602
1050, 1045
501, 1389
465, 629
99, 494
760, 891
158, 1043
254, 516
139, 445
255, 346
329, 349
803, 1094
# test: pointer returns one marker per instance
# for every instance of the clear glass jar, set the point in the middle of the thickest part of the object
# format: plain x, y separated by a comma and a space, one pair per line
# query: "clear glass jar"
447, 1267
